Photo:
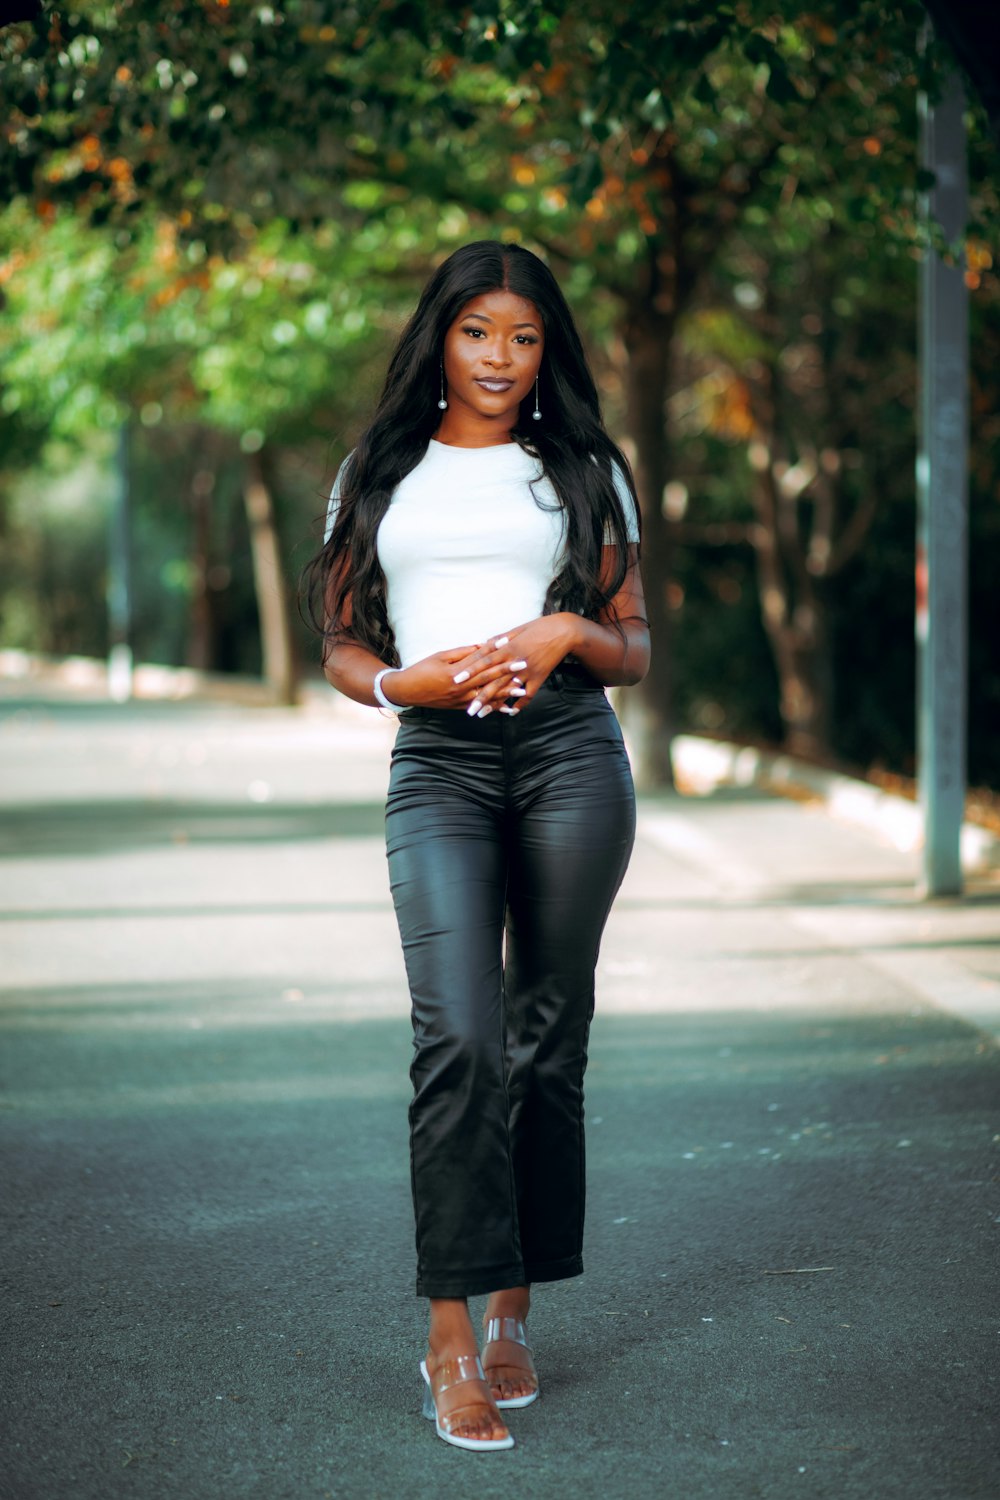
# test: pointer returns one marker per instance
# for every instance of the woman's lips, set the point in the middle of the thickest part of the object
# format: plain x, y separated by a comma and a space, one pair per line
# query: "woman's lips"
494, 385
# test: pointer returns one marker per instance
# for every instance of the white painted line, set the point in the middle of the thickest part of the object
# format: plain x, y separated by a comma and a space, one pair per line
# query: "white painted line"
679, 835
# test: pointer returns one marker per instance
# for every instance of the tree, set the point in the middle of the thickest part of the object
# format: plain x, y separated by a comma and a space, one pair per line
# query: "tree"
643, 152
250, 356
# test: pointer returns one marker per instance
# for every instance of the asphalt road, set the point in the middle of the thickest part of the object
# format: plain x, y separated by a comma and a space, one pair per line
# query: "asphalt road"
794, 1191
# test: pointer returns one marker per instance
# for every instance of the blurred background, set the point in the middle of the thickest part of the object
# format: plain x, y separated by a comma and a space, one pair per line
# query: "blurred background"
219, 216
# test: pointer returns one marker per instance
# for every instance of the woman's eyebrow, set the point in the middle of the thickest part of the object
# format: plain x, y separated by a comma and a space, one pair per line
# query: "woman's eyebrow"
485, 317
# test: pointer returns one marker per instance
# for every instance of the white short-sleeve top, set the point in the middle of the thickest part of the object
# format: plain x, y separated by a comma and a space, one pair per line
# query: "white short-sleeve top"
469, 545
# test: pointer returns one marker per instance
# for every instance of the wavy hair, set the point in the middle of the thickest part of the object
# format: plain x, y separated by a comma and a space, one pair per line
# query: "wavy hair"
344, 588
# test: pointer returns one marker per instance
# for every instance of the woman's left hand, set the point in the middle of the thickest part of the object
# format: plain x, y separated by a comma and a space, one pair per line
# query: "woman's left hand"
531, 651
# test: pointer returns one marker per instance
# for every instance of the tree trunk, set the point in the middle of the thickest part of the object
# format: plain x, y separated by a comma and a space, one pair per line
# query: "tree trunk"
647, 336
802, 696
201, 638
790, 554
277, 648
797, 633
800, 660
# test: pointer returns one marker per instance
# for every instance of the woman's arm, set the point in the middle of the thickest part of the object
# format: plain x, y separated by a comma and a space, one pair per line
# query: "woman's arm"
430, 683
351, 669
614, 648
347, 666
599, 646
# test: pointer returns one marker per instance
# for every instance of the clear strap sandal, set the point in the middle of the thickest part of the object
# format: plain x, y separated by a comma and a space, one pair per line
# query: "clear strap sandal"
465, 1369
512, 1331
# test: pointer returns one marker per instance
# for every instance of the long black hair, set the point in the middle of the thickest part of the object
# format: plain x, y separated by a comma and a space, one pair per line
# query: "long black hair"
344, 586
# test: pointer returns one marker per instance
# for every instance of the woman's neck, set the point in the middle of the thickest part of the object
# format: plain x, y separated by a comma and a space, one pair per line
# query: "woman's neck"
462, 428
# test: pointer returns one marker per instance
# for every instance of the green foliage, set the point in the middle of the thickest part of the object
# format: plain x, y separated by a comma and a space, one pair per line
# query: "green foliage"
222, 213
254, 345
231, 116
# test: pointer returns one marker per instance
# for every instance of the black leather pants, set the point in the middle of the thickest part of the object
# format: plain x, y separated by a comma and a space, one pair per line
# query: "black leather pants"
518, 827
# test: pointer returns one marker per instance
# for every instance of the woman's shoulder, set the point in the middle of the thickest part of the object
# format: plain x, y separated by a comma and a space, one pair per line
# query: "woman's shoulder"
626, 499
617, 470
338, 483
333, 504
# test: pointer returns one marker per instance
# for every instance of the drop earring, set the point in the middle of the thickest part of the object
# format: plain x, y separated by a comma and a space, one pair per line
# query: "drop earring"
536, 413
443, 403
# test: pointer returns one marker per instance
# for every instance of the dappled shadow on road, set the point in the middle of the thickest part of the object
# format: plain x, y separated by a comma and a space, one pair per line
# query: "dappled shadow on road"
72, 828
789, 1249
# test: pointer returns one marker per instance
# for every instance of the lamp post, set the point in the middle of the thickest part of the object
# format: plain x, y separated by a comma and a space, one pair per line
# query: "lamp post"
942, 503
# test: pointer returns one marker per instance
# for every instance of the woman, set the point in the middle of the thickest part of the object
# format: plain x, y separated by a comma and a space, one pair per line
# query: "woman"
480, 577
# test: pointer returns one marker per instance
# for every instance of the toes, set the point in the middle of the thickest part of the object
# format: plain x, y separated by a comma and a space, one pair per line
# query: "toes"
476, 1424
511, 1385
497, 1426
482, 1429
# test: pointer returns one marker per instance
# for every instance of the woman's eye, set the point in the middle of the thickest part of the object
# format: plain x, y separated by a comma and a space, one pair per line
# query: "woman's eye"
480, 333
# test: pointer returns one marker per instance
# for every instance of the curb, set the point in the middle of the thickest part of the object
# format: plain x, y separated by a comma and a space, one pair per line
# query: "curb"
704, 765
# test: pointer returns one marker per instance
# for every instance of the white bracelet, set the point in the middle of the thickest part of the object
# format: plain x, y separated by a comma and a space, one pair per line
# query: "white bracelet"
377, 689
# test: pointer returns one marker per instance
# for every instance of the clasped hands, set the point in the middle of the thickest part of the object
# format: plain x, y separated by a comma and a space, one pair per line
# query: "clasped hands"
503, 673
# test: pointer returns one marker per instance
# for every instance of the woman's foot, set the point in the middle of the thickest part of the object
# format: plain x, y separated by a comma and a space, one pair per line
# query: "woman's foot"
507, 1359
465, 1406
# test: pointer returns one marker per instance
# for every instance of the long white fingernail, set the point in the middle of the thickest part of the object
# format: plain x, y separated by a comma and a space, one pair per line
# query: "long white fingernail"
473, 707
484, 711
501, 640
516, 666
461, 677
505, 710
518, 693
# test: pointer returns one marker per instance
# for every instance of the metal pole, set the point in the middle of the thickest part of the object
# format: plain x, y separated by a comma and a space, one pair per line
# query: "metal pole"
120, 579
942, 504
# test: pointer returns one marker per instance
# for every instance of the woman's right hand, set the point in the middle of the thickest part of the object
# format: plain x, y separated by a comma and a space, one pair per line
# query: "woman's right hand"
430, 683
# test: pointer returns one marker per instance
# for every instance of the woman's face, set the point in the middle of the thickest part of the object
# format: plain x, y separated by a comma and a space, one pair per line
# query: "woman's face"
492, 352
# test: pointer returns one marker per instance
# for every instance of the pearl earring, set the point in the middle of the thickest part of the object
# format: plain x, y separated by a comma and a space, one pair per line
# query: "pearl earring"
443, 403
536, 413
